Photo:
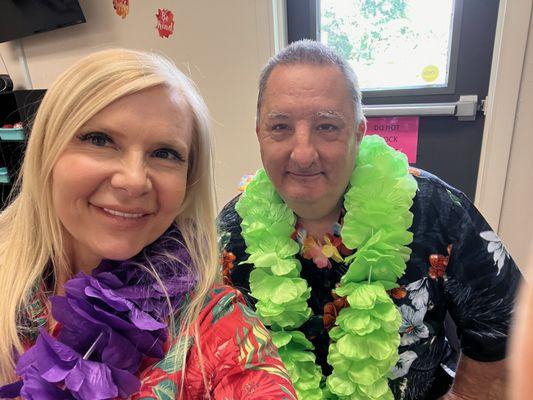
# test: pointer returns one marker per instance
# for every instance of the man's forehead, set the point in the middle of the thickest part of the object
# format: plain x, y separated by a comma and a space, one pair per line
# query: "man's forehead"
297, 79
304, 72
292, 68
310, 91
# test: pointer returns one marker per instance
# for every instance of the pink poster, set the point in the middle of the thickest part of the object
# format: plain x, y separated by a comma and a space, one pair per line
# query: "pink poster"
399, 132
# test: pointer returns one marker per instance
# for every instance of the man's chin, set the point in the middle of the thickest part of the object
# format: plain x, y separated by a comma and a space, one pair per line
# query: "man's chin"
303, 198
310, 203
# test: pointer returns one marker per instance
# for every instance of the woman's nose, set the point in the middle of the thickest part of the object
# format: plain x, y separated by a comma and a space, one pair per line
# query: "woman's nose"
132, 176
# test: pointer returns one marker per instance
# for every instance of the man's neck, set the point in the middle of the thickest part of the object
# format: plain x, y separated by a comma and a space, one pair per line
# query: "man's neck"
319, 227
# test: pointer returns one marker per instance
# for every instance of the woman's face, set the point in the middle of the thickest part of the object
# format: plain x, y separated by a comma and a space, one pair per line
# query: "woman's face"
122, 179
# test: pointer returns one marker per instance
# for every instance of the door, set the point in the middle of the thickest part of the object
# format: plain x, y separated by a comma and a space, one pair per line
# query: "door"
443, 49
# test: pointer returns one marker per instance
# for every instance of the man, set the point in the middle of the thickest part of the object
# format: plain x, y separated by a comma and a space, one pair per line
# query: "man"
310, 128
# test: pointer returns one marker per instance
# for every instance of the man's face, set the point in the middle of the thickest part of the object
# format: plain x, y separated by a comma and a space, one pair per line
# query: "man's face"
308, 136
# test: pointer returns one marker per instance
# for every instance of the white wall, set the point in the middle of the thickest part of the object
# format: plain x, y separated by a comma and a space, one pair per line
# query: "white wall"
222, 45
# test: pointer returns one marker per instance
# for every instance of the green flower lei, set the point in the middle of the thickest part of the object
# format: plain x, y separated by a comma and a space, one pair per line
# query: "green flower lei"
365, 338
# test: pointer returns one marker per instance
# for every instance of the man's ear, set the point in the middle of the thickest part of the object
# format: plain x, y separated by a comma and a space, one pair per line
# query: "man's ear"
257, 126
361, 130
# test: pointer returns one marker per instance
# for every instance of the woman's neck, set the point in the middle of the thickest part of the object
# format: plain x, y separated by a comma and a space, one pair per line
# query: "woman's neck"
77, 262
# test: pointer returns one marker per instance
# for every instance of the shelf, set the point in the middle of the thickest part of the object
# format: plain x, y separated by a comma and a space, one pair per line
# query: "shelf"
4, 175
12, 134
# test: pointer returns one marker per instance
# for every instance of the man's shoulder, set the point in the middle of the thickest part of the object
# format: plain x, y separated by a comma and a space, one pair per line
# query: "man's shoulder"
228, 219
229, 230
434, 191
428, 181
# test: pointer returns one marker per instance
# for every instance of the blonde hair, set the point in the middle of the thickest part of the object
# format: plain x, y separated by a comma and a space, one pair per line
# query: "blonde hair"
31, 236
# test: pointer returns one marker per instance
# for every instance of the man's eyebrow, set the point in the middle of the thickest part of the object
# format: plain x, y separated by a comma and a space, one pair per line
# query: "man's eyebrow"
330, 114
277, 115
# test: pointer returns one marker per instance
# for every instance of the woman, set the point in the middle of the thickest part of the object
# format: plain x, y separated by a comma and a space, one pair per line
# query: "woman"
107, 252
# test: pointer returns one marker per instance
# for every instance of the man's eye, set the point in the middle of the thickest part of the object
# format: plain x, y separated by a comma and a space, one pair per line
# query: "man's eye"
168, 154
327, 128
96, 138
280, 127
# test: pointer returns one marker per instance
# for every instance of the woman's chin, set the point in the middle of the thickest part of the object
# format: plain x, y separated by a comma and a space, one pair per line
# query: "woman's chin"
121, 253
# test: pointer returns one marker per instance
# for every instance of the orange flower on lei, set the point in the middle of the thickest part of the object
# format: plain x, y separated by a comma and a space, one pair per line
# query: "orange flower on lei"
320, 254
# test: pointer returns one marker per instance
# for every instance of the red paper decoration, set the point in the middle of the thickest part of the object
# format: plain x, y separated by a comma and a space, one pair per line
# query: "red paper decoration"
122, 7
165, 22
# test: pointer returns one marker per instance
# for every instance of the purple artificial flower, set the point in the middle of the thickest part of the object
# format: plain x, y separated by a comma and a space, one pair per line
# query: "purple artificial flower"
36, 388
110, 321
11, 390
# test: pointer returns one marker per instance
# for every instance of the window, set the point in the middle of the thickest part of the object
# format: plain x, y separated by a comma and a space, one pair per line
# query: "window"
400, 47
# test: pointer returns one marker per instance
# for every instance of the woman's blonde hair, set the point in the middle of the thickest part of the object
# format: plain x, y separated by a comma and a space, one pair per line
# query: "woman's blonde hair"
31, 235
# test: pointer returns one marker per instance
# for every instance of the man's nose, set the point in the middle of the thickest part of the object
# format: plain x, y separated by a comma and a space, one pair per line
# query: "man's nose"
304, 152
132, 176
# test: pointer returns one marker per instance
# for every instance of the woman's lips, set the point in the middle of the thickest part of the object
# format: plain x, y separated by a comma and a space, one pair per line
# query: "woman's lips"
122, 218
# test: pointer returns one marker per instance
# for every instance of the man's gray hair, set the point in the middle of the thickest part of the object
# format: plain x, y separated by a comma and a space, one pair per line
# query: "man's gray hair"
311, 52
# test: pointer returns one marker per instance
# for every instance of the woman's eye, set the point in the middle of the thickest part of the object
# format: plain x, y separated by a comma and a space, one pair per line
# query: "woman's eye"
168, 154
96, 138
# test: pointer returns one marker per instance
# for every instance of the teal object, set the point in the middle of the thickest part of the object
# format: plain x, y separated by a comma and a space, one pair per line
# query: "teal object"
12, 134
4, 175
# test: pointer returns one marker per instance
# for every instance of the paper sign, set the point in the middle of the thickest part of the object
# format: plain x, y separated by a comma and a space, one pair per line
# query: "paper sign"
400, 133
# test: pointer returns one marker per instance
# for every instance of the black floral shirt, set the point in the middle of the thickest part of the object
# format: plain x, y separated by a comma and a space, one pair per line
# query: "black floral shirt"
459, 271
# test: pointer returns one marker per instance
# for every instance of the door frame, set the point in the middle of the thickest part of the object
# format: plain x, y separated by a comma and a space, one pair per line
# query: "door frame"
512, 31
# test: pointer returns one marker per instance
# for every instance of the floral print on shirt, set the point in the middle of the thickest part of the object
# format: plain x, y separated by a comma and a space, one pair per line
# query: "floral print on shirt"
496, 247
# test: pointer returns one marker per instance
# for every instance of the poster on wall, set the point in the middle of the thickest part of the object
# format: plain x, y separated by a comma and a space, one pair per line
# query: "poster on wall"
165, 22
400, 133
122, 8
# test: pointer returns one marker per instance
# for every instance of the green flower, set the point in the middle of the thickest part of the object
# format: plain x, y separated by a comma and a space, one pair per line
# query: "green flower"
295, 352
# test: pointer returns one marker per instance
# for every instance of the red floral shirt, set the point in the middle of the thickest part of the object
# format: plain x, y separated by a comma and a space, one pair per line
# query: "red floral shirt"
239, 359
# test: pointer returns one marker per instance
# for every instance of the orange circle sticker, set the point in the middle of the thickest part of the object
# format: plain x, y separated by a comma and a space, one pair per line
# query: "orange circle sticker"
430, 73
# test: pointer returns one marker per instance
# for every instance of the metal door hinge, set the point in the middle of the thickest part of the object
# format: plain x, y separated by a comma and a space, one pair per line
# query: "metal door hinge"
484, 105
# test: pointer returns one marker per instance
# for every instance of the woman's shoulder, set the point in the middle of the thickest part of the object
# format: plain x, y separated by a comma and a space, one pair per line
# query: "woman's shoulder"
34, 315
221, 301
233, 349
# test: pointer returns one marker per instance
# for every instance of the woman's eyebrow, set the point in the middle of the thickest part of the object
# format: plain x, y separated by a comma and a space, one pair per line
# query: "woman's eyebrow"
96, 127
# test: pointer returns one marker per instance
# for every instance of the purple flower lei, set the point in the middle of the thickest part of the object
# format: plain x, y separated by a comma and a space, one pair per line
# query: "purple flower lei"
110, 320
